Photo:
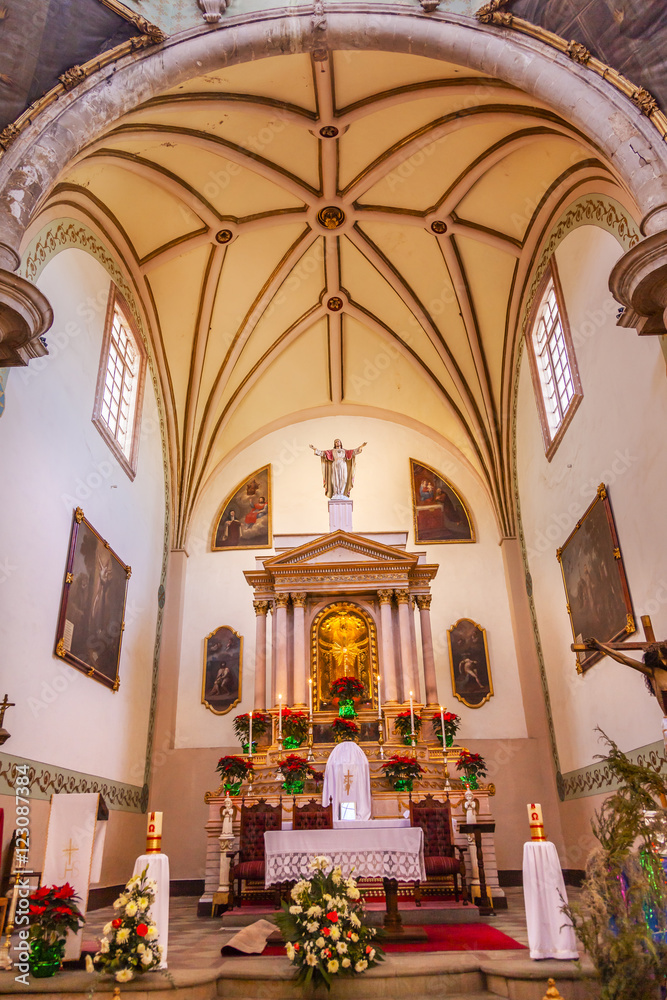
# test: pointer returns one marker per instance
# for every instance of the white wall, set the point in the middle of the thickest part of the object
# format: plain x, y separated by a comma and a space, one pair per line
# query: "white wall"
617, 436
53, 460
470, 582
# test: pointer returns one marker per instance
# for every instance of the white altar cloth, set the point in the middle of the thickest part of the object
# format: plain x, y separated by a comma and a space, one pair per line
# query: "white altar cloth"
158, 869
391, 852
370, 824
550, 931
347, 779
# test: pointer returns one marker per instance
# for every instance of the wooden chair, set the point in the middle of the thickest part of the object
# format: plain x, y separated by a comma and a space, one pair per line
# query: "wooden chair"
255, 821
312, 815
435, 819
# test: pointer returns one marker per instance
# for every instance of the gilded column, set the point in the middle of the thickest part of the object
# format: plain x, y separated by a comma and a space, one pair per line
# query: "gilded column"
404, 602
261, 610
280, 625
424, 605
389, 666
300, 661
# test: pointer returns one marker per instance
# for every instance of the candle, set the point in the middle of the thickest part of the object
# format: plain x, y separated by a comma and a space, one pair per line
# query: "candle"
154, 833
535, 821
250, 737
412, 717
379, 700
280, 717
442, 723
310, 698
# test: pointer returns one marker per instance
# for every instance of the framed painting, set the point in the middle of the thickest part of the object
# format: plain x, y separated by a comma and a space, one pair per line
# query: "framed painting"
92, 609
223, 656
244, 519
596, 587
439, 512
469, 663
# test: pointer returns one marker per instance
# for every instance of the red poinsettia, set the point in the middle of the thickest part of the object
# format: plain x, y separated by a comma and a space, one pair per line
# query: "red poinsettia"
295, 724
401, 767
452, 723
298, 769
55, 910
346, 688
471, 763
403, 723
64, 892
233, 768
345, 728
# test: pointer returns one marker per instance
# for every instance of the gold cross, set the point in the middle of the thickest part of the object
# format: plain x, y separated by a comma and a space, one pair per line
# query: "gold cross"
349, 781
69, 851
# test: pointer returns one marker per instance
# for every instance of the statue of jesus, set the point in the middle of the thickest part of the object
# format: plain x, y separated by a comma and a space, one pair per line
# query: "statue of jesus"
338, 469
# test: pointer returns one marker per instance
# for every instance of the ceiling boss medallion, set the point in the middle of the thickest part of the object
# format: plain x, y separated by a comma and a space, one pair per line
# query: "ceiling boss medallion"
328, 131
439, 227
335, 303
223, 236
331, 217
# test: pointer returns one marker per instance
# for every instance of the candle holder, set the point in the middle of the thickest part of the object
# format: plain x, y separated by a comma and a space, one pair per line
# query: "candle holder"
381, 737
310, 756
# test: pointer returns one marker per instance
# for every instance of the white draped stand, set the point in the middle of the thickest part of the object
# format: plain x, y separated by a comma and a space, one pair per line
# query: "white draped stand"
550, 931
158, 869
347, 779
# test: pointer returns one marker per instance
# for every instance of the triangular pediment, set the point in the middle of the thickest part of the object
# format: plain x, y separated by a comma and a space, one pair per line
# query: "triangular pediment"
340, 547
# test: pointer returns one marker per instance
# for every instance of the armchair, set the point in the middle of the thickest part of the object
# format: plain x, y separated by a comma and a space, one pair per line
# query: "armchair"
440, 859
255, 820
312, 815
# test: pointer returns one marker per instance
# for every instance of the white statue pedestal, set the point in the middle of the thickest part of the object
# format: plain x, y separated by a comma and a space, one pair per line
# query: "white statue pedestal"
340, 514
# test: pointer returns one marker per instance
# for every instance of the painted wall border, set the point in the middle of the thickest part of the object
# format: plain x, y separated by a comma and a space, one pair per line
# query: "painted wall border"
596, 778
47, 780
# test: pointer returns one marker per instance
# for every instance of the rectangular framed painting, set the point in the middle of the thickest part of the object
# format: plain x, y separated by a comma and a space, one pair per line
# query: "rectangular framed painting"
469, 663
244, 519
223, 657
596, 587
92, 608
440, 514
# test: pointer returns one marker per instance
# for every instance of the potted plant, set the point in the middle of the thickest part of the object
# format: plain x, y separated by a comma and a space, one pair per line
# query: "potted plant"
233, 770
402, 771
295, 728
296, 770
129, 945
344, 729
324, 924
261, 723
403, 726
53, 911
452, 723
473, 766
346, 689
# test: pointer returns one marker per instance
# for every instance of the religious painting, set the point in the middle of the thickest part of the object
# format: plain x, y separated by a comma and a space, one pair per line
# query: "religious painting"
469, 663
439, 512
244, 520
92, 609
223, 655
596, 587
344, 644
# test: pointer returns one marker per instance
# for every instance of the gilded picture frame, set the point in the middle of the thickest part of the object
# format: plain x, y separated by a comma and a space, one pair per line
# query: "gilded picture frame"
223, 670
469, 664
244, 519
440, 514
597, 595
92, 608
340, 630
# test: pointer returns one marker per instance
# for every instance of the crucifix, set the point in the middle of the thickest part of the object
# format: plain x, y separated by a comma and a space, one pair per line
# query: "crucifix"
349, 781
653, 664
4, 705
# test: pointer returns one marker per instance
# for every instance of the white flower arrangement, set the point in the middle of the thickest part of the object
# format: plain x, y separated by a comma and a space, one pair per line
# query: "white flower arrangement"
325, 928
129, 945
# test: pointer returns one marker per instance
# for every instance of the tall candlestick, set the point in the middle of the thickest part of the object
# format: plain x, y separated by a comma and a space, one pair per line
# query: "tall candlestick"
250, 737
310, 697
280, 717
379, 700
412, 716
442, 724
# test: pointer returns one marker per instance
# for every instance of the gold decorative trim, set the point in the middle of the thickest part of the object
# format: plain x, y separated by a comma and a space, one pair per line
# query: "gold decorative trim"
372, 634
491, 13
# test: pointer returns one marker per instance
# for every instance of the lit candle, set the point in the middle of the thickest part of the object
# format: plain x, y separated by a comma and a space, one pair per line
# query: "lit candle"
379, 700
442, 723
310, 698
280, 717
412, 717
250, 737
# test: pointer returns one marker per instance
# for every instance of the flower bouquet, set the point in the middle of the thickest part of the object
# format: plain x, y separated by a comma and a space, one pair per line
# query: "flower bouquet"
403, 726
233, 770
261, 723
295, 728
346, 689
129, 945
295, 770
402, 771
345, 729
325, 927
473, 766
452, 725
53, 911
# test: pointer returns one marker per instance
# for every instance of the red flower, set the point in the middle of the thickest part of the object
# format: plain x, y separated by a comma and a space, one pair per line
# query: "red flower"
349, 934
142, 930
117, 922
326, 931
333, 917
297, 946
63, 909
368, 949
42, 892
37, 910
64, 891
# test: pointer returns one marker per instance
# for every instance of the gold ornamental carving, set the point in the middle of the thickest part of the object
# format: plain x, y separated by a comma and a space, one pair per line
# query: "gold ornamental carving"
282, 600
402, 596
299, 600
423, 602
261, 607
385, 596
579, 53
646, 103
492, 13
72, 77
344, 644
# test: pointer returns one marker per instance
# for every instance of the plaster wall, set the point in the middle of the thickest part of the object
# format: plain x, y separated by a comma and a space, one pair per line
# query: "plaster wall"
615, 438
54, 459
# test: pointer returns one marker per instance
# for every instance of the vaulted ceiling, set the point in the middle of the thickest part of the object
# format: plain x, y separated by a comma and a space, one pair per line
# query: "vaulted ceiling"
353, 235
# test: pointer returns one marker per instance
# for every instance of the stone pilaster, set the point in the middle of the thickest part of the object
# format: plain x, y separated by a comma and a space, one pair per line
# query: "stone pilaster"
280, 625
261, 611
424, 605
388, 666
300, 661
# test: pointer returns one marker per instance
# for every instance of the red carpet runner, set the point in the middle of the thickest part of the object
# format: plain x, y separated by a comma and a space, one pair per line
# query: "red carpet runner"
446, 937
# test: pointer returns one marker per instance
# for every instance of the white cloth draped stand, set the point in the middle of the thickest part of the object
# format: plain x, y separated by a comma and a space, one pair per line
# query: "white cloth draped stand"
550, 931
158, 869
347, 779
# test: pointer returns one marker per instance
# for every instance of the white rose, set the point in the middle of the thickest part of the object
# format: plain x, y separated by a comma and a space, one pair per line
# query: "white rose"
147, 958
371, 954
332, 966
124, 975
320, 942
295, 909
131, 909
104, 946
122, 934
312, 926
151, 933
141, 947
354, 937
311, 959
289, 948
346, 963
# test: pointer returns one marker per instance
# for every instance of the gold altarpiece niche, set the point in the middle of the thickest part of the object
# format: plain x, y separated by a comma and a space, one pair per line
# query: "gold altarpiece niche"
344, 644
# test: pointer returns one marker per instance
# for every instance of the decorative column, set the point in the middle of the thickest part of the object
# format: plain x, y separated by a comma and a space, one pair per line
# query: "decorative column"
300, 664
261, 610
388, 669
424, 605
404, 608
280, 625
